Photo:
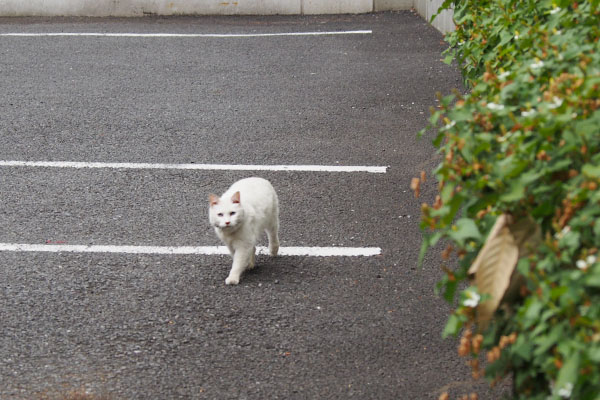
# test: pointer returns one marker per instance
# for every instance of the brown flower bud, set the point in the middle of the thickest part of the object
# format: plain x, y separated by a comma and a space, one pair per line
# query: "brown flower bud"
415, 185
476, 343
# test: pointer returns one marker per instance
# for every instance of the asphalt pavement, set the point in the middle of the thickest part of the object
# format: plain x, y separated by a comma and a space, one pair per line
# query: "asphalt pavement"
152, 326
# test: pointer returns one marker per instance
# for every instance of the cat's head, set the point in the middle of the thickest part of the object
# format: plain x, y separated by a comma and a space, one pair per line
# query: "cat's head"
226, 213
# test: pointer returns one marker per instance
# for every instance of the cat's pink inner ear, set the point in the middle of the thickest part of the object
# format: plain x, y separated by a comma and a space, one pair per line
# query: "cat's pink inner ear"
213, 199
235, 199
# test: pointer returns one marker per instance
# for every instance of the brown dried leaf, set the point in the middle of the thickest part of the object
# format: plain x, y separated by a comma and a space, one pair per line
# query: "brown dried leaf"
493, 268
500, 223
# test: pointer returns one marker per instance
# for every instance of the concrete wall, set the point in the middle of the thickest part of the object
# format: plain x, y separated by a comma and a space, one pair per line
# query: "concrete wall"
101, 8
132, 8
392, 5
427, 8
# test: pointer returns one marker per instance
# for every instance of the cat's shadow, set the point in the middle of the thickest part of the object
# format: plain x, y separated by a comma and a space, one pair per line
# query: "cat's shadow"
274, 270
264, 268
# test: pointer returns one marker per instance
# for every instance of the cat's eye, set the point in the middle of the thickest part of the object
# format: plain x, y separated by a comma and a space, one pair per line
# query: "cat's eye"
232, 213
219, 214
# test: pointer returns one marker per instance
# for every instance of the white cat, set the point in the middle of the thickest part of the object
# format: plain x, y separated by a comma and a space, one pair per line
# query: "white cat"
249, 207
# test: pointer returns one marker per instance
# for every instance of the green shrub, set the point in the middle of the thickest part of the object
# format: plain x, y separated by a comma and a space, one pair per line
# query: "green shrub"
524, 143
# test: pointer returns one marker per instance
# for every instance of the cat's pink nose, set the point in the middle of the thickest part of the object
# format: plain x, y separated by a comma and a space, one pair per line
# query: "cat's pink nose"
227, 223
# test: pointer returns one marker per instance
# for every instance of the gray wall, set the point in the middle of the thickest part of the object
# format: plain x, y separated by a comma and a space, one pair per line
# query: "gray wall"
98, 8
175, 7
427, 8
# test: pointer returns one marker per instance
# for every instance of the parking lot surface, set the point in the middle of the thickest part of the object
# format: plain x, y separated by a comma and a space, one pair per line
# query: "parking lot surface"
152, 102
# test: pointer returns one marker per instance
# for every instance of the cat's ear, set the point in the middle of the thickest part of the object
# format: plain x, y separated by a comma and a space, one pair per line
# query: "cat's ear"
213, 199
235, 199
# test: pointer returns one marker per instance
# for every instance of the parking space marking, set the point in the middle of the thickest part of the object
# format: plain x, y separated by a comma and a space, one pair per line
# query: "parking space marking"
189, 250
210, 167
181, 35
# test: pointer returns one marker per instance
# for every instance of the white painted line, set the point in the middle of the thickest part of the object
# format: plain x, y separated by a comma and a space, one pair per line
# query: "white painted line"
182, 35
212, 167
187, 250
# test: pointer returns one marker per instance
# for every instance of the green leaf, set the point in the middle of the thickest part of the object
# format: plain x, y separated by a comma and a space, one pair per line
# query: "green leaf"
593, 280
450, 291
428, 241
448, 59
532, 310
587, 127
591, 171
597, 228
453, 206
567, 375
594, 354
460, 114
464, 229
522, 348
505, 37
452, 327
510, 167
560, 165
543, 343
515, 193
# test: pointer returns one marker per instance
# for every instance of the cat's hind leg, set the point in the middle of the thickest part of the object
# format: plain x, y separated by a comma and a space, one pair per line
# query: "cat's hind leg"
252, 264
273, 235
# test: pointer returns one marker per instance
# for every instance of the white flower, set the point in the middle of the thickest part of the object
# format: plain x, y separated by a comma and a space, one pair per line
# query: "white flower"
561, 234
528, 113
566, 391
556, 102
537, 65
590, 260
449, 125
555, 10
494, 106
472, 299
503, 75
584, 264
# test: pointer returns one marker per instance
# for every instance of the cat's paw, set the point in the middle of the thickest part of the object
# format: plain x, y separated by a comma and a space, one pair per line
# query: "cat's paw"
232, 281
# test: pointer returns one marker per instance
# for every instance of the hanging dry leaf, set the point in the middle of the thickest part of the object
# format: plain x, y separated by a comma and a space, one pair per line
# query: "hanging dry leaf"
500, 223
493, 268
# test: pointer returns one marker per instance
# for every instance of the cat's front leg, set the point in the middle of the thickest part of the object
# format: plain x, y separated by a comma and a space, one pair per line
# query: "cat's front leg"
241, 259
